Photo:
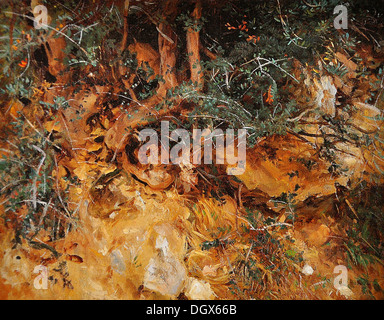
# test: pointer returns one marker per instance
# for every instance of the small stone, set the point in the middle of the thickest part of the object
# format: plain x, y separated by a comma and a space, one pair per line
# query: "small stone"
199, 290
307, 270
165, 275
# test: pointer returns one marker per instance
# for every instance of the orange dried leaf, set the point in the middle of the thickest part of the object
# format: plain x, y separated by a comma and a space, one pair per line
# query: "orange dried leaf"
23, 63
269, 95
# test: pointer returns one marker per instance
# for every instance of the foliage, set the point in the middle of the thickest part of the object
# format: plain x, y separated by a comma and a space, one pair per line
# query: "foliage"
35, 203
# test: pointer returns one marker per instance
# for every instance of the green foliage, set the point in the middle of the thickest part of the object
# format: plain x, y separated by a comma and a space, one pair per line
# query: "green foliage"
238, 81
190, 23
33, 199
267, 249
364, 243
59, 102
207, 245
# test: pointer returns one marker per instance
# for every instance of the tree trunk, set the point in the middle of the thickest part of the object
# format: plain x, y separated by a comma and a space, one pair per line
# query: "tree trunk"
193, 45
144, 113
168, 46
124, 42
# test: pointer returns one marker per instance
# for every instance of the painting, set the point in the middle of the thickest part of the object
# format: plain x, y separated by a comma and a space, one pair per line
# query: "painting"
191, 150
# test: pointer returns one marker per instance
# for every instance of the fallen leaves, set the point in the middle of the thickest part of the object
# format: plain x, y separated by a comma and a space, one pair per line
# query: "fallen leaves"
74, 258
352, 67
83, 172
158, 177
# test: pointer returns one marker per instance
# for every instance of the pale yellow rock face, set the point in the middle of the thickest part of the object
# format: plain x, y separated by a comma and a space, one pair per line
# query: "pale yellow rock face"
364, 117
276, 176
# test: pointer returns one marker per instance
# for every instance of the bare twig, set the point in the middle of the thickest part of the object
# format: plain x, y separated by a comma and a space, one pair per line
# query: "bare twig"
34, 184
279, 224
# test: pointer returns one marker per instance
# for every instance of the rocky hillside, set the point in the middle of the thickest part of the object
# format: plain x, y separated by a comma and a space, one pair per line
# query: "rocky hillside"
83, 218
